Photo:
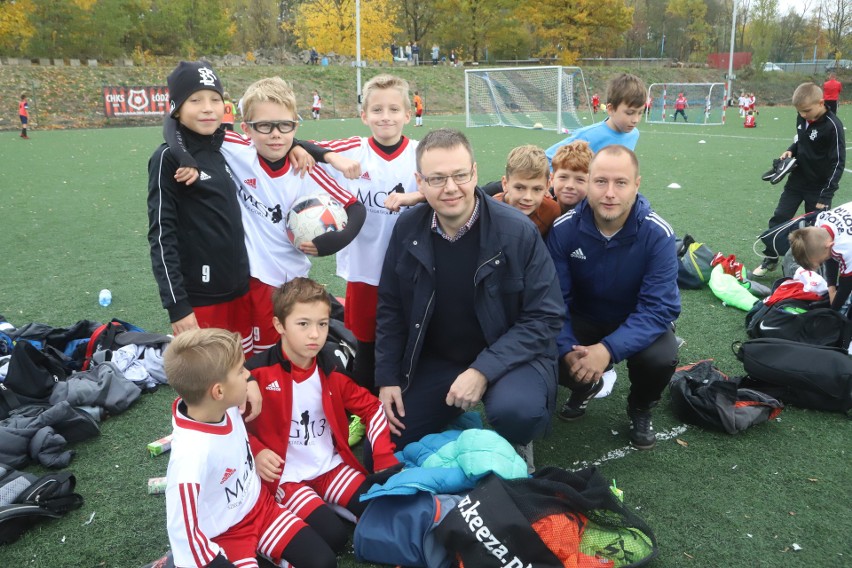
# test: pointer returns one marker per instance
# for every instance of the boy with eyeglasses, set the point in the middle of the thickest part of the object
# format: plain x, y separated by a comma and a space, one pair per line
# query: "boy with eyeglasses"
469, 308
268, 185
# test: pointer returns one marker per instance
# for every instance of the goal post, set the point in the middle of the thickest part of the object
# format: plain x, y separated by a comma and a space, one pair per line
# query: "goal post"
705, 103
545, 97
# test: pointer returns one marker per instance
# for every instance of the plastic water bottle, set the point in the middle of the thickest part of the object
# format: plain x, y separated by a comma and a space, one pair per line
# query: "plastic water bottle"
105, 297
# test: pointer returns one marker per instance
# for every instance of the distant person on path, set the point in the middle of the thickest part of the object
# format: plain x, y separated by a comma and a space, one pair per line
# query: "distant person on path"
819, 149
831, 92
415, 53
435, 53
408, 51
617, 267
625, 103
314, 56
24, 115
681, 104
453, 58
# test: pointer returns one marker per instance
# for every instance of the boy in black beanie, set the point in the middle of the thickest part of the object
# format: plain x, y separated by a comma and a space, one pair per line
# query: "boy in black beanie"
195, 232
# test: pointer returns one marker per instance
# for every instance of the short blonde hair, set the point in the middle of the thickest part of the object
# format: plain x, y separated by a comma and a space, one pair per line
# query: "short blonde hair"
528, 162
575, 156
806, 93
269, 90
387, 81
197, 359
806, 243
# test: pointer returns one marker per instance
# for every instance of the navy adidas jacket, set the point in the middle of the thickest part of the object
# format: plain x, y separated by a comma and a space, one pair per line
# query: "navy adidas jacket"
630, 279
517, 301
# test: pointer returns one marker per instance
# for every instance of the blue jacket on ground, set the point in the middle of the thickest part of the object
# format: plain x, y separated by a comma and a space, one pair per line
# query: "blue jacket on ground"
631, 278
597, 135
517, 300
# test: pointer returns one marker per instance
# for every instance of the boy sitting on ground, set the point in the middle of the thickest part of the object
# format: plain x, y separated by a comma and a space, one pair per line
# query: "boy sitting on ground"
218, 513
301, 436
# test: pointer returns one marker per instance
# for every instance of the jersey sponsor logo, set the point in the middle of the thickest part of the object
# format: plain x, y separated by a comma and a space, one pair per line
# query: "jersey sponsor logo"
375, 200
307, 428
204, 176
228, 473
251, 182
578, 254
273, 386
274, 214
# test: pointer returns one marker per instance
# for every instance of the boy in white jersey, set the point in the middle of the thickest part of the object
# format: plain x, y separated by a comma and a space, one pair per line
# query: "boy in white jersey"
301, 436
217, 512
268, 184
386, 184
829, 241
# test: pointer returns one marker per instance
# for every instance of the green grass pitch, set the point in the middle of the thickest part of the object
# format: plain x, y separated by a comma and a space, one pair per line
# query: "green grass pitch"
73, 218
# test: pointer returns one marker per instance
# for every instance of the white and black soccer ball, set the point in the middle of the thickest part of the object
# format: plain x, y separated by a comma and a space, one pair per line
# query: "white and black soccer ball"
312, 216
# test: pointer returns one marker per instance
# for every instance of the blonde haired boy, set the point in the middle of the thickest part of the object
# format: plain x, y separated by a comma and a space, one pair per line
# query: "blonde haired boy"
525, 186
818, 152
829, 242
217, 513
386, 184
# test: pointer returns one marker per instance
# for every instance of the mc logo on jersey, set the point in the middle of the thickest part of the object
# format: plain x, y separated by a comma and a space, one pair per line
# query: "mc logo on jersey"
137, 99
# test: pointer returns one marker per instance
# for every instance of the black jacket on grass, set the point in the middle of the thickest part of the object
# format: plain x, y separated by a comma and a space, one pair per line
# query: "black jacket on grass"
198, 251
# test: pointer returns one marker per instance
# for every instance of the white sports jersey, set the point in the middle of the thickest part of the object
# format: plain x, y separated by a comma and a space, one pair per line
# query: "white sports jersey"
211, 484
317, 102
381, 174
266, 197
838, 221
311, 447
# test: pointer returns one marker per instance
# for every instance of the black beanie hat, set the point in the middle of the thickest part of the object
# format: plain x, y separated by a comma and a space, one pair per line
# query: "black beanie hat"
188, 77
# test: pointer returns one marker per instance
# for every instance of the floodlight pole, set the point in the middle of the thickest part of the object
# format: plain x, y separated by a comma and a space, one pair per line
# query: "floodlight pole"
358, 50
731, 54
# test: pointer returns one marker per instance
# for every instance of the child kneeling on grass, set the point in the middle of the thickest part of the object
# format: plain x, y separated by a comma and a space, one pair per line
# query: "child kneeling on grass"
218, 513
301, 436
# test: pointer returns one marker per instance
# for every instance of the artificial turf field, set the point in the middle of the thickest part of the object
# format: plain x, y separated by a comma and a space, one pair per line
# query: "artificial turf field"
73, 213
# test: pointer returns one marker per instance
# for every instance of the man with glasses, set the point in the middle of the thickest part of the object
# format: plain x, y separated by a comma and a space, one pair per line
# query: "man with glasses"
469, 307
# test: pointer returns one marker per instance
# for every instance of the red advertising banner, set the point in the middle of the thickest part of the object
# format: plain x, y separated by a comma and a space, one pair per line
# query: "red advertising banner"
135, 101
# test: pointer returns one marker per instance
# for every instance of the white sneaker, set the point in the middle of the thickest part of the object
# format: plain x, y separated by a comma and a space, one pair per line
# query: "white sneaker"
608, 379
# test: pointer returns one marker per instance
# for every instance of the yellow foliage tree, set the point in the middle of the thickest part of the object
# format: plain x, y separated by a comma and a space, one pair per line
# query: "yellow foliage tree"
329, 26
15, 26
570, 29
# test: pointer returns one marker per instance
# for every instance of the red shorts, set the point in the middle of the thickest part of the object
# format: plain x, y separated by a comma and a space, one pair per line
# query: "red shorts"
268, 529
232, 315
336, 486
263, 332
418, 112
359, 317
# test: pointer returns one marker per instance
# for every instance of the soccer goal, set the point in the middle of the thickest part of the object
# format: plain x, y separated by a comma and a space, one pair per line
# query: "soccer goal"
547, 97
705, 103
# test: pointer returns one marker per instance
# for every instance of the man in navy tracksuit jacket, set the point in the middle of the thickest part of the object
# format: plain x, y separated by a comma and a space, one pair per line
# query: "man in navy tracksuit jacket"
617, 268
469, 307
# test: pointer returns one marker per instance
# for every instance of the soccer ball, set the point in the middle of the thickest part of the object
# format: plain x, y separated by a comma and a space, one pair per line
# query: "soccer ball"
538, 126
312, 216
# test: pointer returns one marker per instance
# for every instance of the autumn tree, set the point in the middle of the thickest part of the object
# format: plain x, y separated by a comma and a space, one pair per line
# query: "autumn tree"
470, 25
838, 18
329, 26
255, 24
570, 29
16, 28
692, 32
417, 18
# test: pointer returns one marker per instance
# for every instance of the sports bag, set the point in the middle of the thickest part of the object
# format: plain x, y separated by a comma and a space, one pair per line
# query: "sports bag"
694, 268
807, 376
30, 377
117, 334
801, 321
704, 396
26, 499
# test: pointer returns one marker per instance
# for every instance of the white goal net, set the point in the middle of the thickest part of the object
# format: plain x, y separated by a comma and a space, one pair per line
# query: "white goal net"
548, 97
686, 103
